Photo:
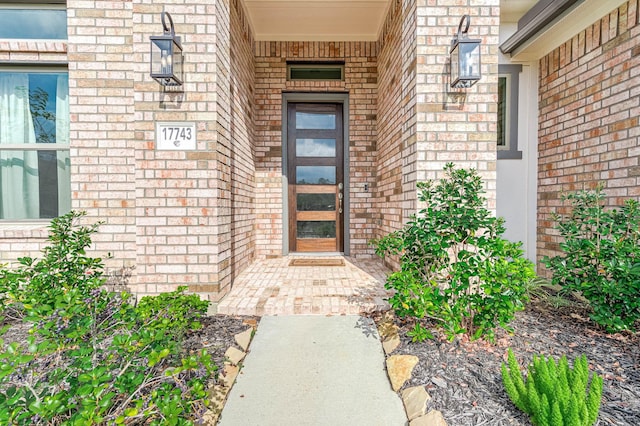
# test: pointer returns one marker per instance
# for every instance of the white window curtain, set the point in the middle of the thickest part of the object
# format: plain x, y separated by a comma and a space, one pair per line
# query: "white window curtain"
19, 183
62, 137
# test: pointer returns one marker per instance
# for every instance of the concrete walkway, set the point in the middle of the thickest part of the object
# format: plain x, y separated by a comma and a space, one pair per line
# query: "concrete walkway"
315, 371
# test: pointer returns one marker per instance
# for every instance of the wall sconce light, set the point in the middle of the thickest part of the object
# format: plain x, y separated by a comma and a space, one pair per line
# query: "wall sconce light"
465, 57
166, 55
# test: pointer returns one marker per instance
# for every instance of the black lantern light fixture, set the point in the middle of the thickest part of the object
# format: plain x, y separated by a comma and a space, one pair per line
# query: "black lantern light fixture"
465, 57
166, 55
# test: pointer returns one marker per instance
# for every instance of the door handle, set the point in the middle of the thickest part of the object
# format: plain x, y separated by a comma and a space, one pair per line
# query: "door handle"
340, 198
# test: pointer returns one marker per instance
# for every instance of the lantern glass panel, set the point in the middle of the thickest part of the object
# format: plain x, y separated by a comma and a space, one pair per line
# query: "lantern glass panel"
469, 60
177, 63
455, 65
161, 58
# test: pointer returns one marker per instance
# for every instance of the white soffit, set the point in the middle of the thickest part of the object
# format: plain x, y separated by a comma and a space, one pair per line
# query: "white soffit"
316, 20
572, 22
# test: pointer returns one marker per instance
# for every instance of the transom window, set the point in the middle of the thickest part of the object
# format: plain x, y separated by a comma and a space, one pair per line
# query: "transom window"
26, 20
315, 71
34, 143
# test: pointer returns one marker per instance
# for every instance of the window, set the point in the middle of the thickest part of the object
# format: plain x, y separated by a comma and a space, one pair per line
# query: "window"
508, 87
33, 21
315, 71
503, 118
34, 144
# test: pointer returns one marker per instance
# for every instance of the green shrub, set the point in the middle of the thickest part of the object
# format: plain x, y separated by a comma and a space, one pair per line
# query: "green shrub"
175, 311
455, 267
601, 258
91, 357
63, 267
554, 394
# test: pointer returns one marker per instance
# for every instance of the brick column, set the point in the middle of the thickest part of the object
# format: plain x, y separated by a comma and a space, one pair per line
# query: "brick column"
183, 197
456, 125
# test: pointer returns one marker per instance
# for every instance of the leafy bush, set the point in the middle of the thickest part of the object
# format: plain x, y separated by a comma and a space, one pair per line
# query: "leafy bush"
601, 258
91, 357
174, 311
455, 267
554, 394
64, 266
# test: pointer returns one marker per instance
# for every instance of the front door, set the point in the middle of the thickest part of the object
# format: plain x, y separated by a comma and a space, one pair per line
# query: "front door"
315, 173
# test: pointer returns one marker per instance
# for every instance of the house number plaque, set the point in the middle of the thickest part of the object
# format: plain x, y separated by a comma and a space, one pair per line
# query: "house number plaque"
175, 136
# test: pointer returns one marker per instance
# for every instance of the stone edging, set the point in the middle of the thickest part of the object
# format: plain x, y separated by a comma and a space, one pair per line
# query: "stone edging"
399, 369
234, 356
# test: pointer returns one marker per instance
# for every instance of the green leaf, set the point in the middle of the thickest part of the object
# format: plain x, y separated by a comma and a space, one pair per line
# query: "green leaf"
23, 359
85, 390
131, 412
83, 378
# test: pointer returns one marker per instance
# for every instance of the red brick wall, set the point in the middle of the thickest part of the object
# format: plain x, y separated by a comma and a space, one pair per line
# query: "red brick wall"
361, 84
589, 100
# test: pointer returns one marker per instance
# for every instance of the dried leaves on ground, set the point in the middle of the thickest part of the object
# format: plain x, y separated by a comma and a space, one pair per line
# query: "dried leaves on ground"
217, 335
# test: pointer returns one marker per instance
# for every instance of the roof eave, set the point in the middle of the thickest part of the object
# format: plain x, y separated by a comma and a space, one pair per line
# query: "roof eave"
530, 26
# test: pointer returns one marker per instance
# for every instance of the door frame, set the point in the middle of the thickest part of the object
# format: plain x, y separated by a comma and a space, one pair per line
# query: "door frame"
318, 98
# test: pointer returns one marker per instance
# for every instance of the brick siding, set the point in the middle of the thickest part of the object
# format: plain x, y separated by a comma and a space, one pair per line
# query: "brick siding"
396, 177
456, 125
243, 186
589, 100
184, 199
101, 104
168, 213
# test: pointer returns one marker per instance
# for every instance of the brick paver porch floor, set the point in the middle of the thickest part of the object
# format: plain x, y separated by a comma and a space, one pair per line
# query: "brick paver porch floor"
272, 287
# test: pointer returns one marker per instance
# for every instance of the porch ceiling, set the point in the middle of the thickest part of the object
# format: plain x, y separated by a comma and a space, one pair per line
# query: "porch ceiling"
335, 20
316, 20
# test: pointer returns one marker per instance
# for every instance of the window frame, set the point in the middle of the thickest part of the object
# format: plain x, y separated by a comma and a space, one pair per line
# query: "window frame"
509, 151
31, 4
34, 69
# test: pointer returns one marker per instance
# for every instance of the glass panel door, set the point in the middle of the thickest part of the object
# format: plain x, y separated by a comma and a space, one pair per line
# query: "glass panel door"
315, 174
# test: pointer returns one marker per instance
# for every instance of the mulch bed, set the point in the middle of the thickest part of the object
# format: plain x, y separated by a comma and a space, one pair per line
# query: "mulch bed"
217, 335
464, 379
